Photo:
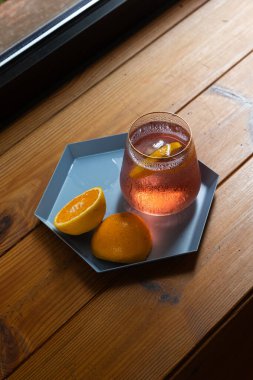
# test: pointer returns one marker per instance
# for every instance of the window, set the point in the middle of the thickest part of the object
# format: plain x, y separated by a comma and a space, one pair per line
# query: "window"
40, 52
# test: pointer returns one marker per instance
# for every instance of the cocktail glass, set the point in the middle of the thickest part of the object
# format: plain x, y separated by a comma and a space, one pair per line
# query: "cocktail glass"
160, 172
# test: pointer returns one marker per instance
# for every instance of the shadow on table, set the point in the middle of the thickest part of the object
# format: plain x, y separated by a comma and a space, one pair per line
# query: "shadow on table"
172, 235
166, 230
147, 274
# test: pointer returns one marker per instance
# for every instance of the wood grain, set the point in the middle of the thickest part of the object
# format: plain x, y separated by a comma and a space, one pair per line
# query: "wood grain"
47, 284
218, 122
59, 319
27, 167
96, 72
227, 354
152, 317
221, 119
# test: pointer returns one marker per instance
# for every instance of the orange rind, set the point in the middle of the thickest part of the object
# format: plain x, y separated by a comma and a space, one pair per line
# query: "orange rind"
139, 171
122, 238
83, 213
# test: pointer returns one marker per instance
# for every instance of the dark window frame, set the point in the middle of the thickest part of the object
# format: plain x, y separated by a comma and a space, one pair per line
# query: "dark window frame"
73, 39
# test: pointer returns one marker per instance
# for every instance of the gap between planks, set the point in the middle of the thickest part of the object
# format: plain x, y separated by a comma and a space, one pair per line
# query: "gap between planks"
210, 335
215, 330
227, 317
114, 275
178, 110
99, 63
221, 183
214, 81
225, 179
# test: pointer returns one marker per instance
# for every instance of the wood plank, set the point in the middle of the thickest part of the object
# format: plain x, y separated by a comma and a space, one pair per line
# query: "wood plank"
96, 72
47, 284
25, 174
222, 119
153, 317
208, 124
226, 355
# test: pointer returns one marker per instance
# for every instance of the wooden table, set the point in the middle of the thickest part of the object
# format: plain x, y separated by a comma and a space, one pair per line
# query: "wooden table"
188, 318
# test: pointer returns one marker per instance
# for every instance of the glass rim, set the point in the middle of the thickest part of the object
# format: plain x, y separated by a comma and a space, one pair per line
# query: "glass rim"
160, 158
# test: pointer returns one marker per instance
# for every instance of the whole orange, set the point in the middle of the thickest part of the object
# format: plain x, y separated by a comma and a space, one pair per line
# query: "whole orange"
122, 238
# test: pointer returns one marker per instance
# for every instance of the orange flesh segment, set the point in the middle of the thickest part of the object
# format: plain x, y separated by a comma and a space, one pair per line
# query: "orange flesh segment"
165, 151
77, 206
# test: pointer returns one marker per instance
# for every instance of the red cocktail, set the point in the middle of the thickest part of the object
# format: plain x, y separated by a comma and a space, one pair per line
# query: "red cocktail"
160, 171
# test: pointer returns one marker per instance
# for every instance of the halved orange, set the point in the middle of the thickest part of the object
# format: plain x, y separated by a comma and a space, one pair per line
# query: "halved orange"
122, 238
83, 213
165, 151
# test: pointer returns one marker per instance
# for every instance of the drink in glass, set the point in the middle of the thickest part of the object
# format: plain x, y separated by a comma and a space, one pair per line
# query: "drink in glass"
160, 171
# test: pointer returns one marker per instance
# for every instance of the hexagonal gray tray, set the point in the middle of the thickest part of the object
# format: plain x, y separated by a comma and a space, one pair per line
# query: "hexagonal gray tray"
97, 163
